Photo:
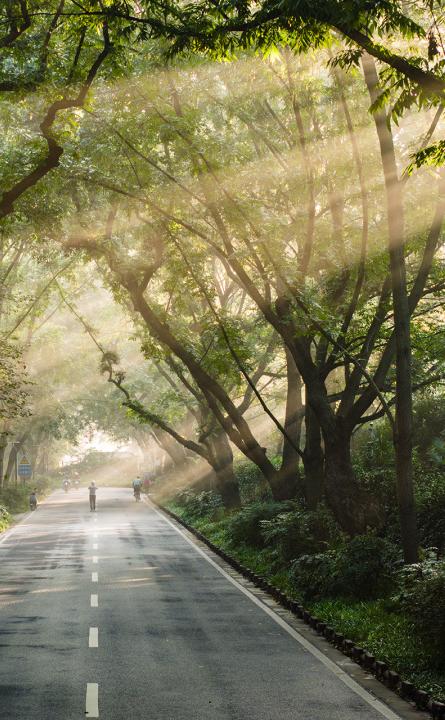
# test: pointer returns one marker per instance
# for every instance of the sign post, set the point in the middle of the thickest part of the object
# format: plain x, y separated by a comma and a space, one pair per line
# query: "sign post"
24, 469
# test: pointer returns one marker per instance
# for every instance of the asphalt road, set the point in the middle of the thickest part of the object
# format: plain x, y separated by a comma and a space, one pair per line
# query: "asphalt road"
115, 614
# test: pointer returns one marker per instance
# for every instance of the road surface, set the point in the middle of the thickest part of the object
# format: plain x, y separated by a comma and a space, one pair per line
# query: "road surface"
117, 615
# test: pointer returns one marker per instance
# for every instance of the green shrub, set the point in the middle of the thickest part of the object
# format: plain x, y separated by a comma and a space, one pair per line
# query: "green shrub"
362, 568
300, 532
197, 505
252, 484
15, 499
5, 518
421, 595
246, 525
314, 576
431, 523
367, 565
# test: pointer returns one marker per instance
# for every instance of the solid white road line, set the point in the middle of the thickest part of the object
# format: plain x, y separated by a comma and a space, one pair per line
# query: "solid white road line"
7, 533
94, 600
94, 577
385, 711
95, 546
92, 701
95, 559
93, 641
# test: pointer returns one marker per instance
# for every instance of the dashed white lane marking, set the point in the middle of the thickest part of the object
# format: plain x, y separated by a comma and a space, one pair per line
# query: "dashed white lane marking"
94, 600
94, 577
93, 641
385, 711
95, 546
95, 559
92, 701
95, 535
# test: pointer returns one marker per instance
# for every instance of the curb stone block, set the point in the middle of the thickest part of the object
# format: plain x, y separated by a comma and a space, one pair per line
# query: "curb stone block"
392, 679
438, 710
421, 698
407, 689
380, 668
338, 639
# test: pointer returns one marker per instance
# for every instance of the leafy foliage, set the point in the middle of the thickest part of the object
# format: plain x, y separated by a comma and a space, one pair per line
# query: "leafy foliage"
362, 568
421, 595
247, 525
300, 532
197, 505
5, 518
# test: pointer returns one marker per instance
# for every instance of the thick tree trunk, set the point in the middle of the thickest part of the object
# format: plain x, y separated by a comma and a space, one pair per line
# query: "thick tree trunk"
283, 483
352, 507
221, 459
396, 245
313, 461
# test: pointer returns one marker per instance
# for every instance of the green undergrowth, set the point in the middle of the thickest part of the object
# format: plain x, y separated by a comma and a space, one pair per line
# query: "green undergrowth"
5, 518
387, 635
15, 499
372, 624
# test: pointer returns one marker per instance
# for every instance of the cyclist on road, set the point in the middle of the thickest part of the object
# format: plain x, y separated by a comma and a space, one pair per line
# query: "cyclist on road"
137, 486
33, 499
92, 488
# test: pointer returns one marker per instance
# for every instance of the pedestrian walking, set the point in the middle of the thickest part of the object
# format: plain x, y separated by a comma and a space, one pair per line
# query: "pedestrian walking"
92, 488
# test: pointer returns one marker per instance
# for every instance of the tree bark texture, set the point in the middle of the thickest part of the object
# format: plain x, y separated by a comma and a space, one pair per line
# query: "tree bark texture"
403, 435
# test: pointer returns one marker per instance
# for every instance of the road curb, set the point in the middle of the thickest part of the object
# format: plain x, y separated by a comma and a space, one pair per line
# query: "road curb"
415, 700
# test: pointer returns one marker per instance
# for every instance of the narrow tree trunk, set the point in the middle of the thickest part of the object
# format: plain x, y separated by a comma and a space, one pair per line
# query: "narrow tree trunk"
173, 449
313, 461
12, 463
403, 442
2, 465
286, 483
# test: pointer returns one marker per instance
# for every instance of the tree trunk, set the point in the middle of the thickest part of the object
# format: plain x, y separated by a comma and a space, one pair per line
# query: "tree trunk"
313, 461
2, 465
3, 446
221, 459
173, 449
352, 507
403, 433
12, 463
286, 482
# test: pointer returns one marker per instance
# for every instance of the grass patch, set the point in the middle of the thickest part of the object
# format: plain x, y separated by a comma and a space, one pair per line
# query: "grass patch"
387, 635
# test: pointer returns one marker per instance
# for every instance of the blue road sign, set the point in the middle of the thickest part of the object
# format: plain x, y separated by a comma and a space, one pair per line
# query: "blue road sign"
25, 470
